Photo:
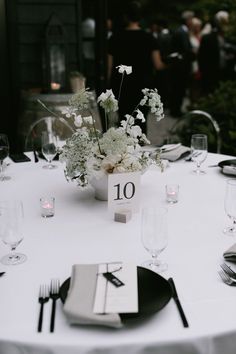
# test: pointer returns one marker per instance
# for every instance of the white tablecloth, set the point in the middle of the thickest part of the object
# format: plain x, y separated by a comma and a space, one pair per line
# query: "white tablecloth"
83, 231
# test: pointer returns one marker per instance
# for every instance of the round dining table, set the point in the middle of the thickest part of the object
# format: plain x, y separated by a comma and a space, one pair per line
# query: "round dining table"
83, 231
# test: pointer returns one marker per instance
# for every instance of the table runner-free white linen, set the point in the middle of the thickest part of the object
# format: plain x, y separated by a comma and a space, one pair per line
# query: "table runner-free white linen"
83, 231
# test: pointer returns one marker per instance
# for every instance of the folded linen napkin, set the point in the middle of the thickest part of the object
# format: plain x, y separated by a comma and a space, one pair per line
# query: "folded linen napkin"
229, 170
230, 253
78, 306
175, 154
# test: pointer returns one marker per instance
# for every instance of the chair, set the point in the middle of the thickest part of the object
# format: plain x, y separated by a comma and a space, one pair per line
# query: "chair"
194, 122
59, 126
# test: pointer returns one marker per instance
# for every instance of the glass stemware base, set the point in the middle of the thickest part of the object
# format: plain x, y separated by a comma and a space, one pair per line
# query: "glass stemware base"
13, 259
50, 166
4, 178
199, 172
156, 266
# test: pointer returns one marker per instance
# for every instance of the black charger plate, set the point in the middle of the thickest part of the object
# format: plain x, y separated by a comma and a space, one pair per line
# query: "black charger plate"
231, 162
224, 163
154, 293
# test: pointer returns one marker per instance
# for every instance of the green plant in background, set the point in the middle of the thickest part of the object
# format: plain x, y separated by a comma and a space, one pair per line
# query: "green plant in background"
222, 106
192, 123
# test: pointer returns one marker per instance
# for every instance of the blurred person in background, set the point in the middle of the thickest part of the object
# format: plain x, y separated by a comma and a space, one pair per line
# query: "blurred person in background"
88, 32
164, 40
181, 67
216, 55
195, 39
134, 47
153, 28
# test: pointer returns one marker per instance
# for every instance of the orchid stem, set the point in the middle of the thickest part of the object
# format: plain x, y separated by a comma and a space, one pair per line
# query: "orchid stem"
135, 109
106, 121
47, 109
96, 134
122, 79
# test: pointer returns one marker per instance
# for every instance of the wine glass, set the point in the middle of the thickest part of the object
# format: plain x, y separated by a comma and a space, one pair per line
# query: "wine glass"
11, 230
49, 148
198, 151
4, 152
154, 235
230, 206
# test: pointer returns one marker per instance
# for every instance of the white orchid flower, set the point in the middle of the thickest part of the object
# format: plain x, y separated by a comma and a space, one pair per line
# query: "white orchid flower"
108, 101
124, 69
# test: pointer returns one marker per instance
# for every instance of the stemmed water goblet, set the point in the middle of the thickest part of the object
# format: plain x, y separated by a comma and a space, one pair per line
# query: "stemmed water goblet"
49, 148
230, 206
154, 236
199, 151
4, 152
11, 230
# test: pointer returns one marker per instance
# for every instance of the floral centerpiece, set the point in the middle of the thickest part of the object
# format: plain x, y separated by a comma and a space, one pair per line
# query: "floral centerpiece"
90, 154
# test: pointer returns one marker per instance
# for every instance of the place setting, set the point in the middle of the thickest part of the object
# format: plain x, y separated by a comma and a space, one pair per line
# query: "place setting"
227, 273
118, 294
115, 295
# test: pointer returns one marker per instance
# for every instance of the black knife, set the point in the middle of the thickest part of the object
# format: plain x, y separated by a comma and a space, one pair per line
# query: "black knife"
36, 159
2, 273
178, 304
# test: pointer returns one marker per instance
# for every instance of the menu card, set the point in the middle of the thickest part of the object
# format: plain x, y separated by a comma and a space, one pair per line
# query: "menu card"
117, 288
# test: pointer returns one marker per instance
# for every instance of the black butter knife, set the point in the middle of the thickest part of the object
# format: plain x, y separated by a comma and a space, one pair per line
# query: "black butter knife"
178, 304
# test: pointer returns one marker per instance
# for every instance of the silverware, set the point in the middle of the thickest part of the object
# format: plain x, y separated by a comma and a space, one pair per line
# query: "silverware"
2, 273
228, 270
36, 159
192, 154
213, 165
226, 278
178, 304
54, 295
43, 298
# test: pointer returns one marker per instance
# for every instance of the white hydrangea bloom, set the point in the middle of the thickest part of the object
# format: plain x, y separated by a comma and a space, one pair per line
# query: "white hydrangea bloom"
81, 100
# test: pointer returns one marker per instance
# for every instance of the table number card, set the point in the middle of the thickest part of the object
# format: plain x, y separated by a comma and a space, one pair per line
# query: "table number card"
124, 191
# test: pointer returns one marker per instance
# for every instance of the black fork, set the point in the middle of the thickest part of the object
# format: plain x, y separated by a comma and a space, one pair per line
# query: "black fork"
43, 298
54, 295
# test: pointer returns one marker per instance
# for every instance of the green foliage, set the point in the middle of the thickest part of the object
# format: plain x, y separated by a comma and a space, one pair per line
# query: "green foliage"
222, 106
191, 124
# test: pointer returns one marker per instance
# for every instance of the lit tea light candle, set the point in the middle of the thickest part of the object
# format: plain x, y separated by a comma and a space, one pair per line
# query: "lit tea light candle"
172, 193
55, 86
47, 207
